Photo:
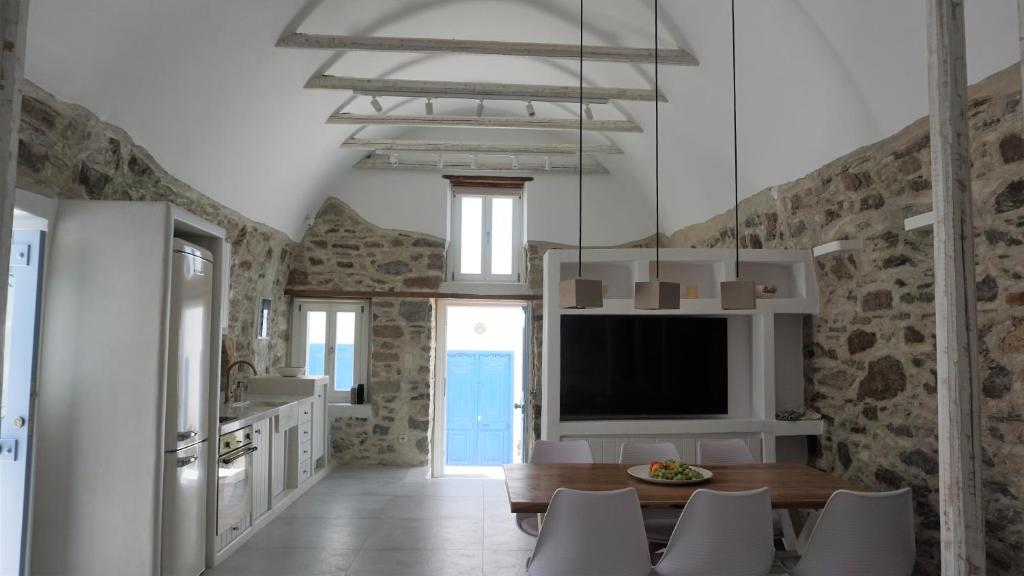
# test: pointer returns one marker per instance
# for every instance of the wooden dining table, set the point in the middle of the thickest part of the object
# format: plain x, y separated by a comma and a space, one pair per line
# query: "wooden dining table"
531, 486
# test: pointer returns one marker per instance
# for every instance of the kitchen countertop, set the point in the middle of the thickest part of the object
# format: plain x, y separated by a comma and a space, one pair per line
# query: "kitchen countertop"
258, 407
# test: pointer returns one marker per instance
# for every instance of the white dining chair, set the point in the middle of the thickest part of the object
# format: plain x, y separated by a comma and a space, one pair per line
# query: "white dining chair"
659, 522
861, 533
721, 534
732, 451
591, 534
553, 452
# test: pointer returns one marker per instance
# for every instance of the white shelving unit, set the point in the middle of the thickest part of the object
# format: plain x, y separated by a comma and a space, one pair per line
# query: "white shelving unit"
765, 343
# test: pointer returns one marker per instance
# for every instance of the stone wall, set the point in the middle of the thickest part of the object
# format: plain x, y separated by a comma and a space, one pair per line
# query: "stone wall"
66, 152
343, 253
870, 355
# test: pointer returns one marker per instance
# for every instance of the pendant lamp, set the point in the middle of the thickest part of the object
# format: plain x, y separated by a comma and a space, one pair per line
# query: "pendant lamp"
580, 292
736, 294
656, 294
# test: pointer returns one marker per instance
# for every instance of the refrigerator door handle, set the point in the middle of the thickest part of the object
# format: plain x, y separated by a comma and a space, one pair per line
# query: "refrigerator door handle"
182, 462
182, 436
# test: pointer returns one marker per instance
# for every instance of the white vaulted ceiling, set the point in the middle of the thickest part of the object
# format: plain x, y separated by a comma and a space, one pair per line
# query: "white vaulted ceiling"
201, 84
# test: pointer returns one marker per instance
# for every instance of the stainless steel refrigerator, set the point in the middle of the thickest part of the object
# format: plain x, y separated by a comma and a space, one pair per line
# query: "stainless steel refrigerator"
186, 446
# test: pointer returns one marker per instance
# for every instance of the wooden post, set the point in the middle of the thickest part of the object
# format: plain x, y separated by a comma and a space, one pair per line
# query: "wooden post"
959, 389
13, 25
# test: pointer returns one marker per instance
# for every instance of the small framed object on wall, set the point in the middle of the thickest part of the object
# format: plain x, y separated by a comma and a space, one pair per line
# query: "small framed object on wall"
263, 319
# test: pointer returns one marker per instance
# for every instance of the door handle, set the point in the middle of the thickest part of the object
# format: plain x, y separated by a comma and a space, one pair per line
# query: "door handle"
182, 436
239, 454
182, 462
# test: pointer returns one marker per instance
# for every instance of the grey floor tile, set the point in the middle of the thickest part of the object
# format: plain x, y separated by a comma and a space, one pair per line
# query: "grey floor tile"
417, 562
503, 534
434, 507
334, 533
337, 505
505, 562
426, 534
256, 561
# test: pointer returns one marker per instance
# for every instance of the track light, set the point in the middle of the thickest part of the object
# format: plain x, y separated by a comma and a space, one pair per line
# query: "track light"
530, 110
479, 108
588, 112
515, 163
440, 162
429, 107
394, 159
377, 105
547, 162
473, 163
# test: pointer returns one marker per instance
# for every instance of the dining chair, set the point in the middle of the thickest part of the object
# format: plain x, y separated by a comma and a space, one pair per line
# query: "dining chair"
733, 451
553, 452
659, 522
591, 534
862, 533
721, 533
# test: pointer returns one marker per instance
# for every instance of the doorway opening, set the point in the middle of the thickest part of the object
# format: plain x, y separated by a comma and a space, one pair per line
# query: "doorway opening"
482, 372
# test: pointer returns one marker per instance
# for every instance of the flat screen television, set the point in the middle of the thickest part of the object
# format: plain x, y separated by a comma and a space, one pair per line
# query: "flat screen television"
643, 367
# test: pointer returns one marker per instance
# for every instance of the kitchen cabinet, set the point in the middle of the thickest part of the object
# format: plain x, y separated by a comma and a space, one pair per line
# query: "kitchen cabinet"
277, 458
319, 426
261, 468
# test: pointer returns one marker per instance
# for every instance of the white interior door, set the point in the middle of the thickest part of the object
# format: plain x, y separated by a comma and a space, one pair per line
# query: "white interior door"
20, 360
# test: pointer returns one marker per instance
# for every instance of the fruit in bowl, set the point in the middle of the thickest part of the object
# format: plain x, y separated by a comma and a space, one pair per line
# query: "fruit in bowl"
673, 470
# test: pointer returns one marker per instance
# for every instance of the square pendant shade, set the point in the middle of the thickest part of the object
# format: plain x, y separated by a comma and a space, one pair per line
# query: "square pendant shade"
581, 293
656, 295
738, 295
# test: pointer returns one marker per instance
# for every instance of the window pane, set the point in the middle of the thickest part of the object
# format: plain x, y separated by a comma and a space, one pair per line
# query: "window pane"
501, 235
471, 235
345, 352
316, 340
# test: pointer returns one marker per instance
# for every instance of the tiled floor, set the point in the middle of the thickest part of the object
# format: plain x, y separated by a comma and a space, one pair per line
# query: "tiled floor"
389, 521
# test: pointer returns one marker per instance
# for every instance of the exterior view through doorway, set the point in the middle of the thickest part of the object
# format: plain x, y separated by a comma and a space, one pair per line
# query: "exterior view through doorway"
482, 371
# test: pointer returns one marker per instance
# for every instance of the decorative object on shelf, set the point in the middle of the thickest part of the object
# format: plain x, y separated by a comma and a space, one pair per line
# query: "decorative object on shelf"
692, 292
656, 294
360, 394
766, 290
580, 292
736, 294
290, 371
797, 414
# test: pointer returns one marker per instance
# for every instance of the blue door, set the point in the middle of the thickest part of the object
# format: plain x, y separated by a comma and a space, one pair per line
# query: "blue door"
478, 431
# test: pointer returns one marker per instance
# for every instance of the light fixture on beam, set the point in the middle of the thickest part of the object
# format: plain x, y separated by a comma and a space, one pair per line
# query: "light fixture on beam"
547, 162
473, 164
429, 107
736, 294
479, 108
655, 294
530, 110
393, 159
440, 162
590, 113
515, 162
580, 292
376, 105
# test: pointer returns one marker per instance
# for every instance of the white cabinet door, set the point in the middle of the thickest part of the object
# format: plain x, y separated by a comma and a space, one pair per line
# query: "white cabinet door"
319, 421
261, 468
277, 459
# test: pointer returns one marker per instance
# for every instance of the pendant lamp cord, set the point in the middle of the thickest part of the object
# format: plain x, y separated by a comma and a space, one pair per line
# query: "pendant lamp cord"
657, 155
735, 145
580, 166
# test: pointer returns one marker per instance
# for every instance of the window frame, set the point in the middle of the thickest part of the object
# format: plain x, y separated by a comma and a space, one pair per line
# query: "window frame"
301, 307
486, 274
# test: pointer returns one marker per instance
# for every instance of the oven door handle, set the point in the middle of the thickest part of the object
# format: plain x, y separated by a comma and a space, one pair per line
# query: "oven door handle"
237, 454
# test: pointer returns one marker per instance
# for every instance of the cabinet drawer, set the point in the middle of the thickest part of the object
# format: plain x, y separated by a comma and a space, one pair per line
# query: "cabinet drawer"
305, 432
304, 471
305, 451
305, 413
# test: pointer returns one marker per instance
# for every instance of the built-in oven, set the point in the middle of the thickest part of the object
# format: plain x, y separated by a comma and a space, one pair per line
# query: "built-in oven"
234, 485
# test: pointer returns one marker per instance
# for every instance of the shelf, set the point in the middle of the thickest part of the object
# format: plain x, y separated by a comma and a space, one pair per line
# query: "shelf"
339, 410
798, 427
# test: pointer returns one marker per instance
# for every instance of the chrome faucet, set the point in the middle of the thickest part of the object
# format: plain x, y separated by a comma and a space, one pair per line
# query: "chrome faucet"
228, 387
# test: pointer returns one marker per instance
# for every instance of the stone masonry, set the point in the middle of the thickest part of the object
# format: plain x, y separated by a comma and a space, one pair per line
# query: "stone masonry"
343, 253
870, 355
66, 152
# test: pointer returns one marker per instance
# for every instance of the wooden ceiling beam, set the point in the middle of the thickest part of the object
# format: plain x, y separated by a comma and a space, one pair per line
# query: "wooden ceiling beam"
546, 149
467, 166
485, 122
667, 56
480, 90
